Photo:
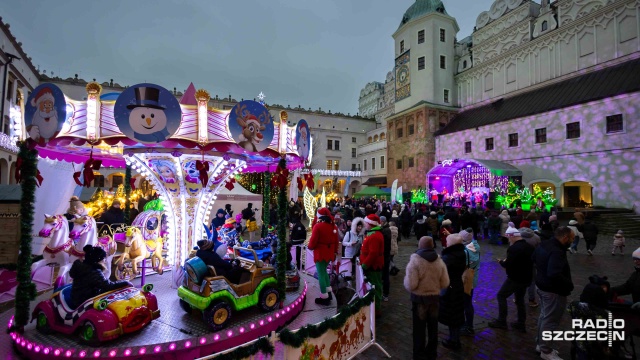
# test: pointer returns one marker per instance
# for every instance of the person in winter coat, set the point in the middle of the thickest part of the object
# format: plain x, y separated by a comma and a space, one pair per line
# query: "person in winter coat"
425, 277
421, 227
632, 285
472, 253
590, 233
341, 225
372, 256
494, 224
324, 243
534, 240
88, 276
386, 234
207, 252
451, 311
618, 243
297, 237
273, 216
480, 224
394, 239
405, 222
445, 231
452, 214
519, 267
432, 221
573, 225
218, 221
352, 242
505, 219
466, 220
531, 216
114, 215
553, 279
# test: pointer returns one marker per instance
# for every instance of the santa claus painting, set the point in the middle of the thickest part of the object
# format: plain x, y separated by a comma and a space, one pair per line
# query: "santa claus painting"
44, 122
302, 141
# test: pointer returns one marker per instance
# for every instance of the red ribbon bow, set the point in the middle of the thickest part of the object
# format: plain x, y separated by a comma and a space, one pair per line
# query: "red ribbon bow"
229, 184
309, 179
300, 186
87, 172
203, 168
132, 183
280, 178
18, 174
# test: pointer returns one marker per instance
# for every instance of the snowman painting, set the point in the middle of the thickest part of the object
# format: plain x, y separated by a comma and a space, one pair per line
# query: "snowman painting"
303, 140
44, 123
148, 119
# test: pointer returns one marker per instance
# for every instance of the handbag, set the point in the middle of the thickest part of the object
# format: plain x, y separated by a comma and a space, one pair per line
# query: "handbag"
467, 278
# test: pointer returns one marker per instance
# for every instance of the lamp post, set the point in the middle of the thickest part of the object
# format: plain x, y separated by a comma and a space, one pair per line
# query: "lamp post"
4, 83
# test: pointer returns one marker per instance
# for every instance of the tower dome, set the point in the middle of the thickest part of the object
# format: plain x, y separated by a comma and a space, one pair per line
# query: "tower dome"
421, 8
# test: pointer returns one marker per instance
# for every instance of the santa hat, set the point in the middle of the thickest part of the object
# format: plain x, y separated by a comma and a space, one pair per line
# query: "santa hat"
42, 95
323, 212
372, 219
636, 254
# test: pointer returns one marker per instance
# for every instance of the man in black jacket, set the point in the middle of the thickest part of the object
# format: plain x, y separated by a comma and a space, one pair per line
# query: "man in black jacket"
590, 233
632, 285
386, 234
207, 253
519, 266
114, 215
553, 279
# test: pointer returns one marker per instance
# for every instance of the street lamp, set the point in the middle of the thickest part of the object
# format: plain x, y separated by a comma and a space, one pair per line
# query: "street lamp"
4, 82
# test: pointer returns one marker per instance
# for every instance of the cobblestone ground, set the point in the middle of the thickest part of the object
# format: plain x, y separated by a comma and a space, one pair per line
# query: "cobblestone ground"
394, 329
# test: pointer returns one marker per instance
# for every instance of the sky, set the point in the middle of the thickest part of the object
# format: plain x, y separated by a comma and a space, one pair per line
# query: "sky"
317, 54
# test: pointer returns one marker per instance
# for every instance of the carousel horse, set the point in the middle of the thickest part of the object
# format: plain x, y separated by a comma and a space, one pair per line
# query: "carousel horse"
137, 249
85, 232
57, 230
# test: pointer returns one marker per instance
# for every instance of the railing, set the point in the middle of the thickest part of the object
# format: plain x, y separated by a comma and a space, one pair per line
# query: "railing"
6, 143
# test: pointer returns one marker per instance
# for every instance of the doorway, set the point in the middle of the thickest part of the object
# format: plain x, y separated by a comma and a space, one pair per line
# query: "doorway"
572, 196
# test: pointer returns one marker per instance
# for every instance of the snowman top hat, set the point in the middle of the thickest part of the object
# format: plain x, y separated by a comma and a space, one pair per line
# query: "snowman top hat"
147, 97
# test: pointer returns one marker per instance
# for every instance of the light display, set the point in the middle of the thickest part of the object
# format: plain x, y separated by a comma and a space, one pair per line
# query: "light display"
473, 176
527, 199
419, 196
103, 199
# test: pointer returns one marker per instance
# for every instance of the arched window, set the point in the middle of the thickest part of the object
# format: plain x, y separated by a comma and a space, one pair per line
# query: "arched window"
464, 64
545, 25
382, 136
375, 137
369, 140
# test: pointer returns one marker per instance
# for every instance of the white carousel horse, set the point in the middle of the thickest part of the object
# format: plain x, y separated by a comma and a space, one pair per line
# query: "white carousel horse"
137, 249
85, 232
55, 228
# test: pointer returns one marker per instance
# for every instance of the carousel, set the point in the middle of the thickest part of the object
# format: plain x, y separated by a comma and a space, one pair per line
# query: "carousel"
187, 151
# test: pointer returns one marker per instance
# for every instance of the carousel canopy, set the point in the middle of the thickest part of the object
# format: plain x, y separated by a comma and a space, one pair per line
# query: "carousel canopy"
450, 167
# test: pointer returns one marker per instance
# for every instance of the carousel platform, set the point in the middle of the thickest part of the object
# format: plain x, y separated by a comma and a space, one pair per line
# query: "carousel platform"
176, 334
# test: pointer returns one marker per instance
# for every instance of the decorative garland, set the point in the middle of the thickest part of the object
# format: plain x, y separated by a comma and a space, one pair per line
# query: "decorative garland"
266, 200
127, 194
281, 257
26, 290
262, 345
296, 339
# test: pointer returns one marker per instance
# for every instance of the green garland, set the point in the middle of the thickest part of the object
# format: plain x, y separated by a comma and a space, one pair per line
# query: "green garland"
281, 257
266, 200
127, 194
262, 345
26, 290
296, 339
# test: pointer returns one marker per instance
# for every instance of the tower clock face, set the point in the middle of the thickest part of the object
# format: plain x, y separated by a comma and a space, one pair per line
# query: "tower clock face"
403, 74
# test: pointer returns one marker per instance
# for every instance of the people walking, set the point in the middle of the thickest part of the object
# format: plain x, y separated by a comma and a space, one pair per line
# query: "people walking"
590, 233
574, 226
426, 275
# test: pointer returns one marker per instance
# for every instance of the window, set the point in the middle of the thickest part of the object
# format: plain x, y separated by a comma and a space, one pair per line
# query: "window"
398, 164
420, 36
353, 152
382, 136
488, 144
573, 130
370, 139
98, 181
410, 162
6, 129
401, 46
399, 133
541, 136
336, 145
545, 25
446, 95
364, 165
614, 124
513, 140
382, 162
443, 62
373, 163
464, 64
329, 144
336, 165
353, 167
442, 35
411, 129
9, 89
117, 180
329, 165
467, 147
421, 63
353, 140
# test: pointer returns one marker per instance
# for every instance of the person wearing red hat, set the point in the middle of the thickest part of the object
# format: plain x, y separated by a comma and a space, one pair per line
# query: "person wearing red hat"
372, 255
324, 243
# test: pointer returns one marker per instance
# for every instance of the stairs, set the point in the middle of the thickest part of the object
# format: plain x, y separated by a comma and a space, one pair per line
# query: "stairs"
610, 223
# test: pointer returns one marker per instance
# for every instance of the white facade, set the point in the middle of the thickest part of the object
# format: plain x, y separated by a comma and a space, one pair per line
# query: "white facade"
370, 98
372, 156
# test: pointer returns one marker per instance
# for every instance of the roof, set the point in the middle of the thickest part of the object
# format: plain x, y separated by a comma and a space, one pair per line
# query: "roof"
378, 180
421, 8
496, 167
87, 193
10, 193
612, 81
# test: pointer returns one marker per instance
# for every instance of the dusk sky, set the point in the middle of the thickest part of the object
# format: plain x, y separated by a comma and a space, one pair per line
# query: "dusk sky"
298, 52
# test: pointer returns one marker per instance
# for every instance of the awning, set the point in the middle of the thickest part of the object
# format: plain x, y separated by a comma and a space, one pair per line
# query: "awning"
10, 193
450, 167
379, 180
371, 191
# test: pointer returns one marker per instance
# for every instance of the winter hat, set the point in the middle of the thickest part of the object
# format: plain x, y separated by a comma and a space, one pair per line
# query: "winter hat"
620, 233
526, 233
636, 254
553, 218
573, 222
383, 219
467, 236
372, 219
594, 294
42, 95
511, 224
394, 213
454, 239
512, 232
446, 222
93, 254
433, 213
205, 244
323, 212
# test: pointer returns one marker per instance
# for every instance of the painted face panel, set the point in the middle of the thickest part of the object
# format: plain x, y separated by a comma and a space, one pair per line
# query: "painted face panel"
144, 120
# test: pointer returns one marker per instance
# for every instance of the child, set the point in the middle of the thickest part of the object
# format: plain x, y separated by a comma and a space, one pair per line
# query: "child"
252, 227
618, 243
298, 236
